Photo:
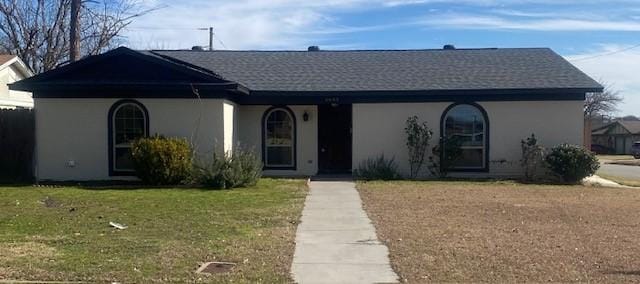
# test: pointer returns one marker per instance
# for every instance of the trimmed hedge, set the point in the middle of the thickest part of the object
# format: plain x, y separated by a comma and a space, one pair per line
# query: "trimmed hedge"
162, 161
572, 163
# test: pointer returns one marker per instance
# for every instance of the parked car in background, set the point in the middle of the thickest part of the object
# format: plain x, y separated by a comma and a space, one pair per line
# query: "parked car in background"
635, 149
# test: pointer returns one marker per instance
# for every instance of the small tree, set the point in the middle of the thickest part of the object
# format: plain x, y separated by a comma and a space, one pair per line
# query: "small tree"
532, 155
445, 154
418, 137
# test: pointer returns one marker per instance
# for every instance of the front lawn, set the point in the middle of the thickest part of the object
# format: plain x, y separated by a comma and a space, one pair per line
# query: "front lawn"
63, 233
506, 232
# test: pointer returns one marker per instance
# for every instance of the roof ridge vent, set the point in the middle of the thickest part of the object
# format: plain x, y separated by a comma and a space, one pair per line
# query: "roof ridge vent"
449, 47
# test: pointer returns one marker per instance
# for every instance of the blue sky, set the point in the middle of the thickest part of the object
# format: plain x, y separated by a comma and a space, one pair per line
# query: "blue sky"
597, 36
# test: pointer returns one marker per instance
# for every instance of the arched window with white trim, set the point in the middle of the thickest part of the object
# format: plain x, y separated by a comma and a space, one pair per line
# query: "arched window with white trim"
467, 124
279, 139
128, 121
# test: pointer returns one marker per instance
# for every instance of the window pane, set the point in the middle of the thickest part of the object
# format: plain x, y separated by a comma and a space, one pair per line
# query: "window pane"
279, 138
282, 156
470, 158
128, 124
466, 124
123, 159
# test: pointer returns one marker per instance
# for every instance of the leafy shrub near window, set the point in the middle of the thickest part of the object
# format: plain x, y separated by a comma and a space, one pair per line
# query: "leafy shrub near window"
240, 169
379, 168
445, 154
532, 157
244, 168
418, 137
159, 160
572, 163
209, 174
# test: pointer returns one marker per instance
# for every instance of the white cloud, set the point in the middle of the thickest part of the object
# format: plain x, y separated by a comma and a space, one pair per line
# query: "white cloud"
619, 70
295, 24
254, 24
472, 21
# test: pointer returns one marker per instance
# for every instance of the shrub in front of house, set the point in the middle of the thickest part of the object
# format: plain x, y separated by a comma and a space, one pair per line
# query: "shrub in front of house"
418, 139
532, 157
572, 163
240, 169
159, 160
244, 168
379, 168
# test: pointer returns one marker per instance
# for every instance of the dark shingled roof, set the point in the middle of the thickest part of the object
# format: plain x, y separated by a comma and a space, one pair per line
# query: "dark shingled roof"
390, 70
630, 125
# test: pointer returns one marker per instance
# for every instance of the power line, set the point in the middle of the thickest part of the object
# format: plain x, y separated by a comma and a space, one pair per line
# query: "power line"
606, 54
220, 41
157, 28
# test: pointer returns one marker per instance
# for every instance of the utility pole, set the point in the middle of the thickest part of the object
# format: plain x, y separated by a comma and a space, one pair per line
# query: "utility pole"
74, 37
210, 38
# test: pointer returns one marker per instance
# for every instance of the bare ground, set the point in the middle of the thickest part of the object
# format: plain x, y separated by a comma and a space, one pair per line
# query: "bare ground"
507, 232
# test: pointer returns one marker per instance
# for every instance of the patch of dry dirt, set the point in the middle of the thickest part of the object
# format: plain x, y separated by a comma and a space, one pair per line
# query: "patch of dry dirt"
494, 232
14, 251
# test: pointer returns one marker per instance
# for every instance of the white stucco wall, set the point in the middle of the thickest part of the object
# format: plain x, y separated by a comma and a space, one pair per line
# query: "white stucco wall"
76, 130
12, 99
379, 129
230, 121
250, 135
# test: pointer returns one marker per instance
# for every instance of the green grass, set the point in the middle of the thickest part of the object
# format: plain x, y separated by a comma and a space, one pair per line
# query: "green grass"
171, 232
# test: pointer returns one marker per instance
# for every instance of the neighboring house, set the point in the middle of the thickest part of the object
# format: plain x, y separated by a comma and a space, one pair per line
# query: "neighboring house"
305, 112
12, 69
617, 136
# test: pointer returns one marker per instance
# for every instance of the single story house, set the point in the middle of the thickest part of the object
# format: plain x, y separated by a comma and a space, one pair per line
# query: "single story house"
618, 136
306, 112
12, 69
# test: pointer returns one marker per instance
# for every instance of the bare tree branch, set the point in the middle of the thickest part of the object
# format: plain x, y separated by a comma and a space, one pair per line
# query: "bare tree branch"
38, 30
603, 103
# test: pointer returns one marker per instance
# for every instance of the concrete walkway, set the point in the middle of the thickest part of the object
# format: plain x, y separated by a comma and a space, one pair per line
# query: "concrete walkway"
336, 242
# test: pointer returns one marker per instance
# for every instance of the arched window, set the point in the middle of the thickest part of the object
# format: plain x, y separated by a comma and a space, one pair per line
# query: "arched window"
466, 125
128, 121
279, 139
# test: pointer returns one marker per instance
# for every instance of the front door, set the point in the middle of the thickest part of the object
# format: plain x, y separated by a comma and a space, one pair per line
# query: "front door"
334, 139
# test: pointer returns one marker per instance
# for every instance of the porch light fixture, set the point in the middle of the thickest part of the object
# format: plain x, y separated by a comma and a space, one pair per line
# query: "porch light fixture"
305, 116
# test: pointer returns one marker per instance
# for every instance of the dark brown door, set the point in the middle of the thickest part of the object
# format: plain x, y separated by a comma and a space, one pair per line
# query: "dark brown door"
334, 138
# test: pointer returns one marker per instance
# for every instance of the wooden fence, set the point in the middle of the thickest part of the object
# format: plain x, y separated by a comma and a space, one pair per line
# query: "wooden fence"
17, 140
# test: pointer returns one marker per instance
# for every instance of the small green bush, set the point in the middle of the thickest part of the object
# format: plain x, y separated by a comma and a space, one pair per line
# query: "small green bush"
572, 163
161, 161
209, 174
240, 169
244, 168
379, 168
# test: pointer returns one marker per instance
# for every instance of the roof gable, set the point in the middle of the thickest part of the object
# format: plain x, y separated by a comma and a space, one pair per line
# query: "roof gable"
632, 126
13, 61
121, 66
619, 127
